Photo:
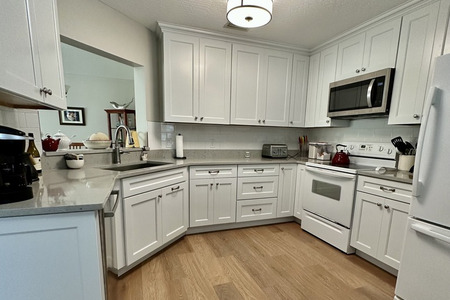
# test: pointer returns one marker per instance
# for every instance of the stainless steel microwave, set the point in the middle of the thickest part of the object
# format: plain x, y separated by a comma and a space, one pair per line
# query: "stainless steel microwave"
367, 95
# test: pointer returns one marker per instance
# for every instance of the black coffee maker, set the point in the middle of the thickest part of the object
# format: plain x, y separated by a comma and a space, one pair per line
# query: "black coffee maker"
16, 169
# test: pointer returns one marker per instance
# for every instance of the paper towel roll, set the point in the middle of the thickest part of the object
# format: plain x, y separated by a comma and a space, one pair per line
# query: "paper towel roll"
179, 146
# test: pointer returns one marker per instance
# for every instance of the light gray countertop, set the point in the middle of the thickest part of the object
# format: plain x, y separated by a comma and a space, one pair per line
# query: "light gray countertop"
391, 174
88, 188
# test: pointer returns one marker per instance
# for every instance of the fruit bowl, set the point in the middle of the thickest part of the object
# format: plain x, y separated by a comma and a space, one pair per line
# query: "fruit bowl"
97, 144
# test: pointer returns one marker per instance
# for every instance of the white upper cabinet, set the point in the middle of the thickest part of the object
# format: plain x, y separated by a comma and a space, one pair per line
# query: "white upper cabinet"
369, 51
322, 71
31, 73
299, 86
196, 79
415, 52
260, 86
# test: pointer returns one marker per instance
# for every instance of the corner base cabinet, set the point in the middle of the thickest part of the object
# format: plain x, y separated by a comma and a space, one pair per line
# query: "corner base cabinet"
55, 256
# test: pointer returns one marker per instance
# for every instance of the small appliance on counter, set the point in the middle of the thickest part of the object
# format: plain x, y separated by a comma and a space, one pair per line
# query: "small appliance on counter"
275, 150
319, 150
16, 169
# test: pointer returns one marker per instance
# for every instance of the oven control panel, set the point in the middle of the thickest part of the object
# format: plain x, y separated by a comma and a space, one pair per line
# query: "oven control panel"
375, 150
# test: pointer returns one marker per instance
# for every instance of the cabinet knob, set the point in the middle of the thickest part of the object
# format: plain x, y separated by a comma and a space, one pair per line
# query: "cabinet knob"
49, 92
378, 204
357, 71
46, 91
195, 118
264, 121
282, 169
201, 119
327, 121
259, 121
292, 122
416, 116
363, 69
386, 206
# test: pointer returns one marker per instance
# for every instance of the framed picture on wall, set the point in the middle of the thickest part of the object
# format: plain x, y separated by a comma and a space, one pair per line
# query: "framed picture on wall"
72, 116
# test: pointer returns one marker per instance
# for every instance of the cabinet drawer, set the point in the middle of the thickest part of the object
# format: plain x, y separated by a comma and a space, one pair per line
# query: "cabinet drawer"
385, 188
213, 172
258, 170
250, 210
257, 187
144, 183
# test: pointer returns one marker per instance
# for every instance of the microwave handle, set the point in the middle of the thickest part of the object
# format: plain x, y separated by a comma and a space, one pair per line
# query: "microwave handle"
369, 93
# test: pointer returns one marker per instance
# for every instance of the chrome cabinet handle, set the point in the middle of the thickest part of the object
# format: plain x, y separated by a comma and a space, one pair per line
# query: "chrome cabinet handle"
357, 71
386, 206
259, 121
256, 209
387, 190
201, 118
416, 116
46, 91
363, 69
259, 170
378, 204
258, 187
110, 214
195, 118
211, 185
264, 121
215, 172
175, 188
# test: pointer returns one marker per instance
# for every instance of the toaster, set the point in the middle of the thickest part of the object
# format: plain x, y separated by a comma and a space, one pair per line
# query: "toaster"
275, 150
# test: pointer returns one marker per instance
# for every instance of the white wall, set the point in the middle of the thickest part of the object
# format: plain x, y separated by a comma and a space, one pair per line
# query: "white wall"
98, 26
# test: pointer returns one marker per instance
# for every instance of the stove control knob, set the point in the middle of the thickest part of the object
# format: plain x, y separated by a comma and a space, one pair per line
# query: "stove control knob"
352, 147
381, 149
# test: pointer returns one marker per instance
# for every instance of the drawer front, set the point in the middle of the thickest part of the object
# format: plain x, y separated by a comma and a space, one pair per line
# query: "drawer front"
144, 183
251, 210
385, 188
257, 187
258, 170
225, 171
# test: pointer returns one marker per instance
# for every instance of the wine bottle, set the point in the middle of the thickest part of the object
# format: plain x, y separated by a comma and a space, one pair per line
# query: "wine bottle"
34, 153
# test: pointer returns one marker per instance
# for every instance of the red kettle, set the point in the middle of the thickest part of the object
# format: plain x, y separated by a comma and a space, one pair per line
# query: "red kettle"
340, 158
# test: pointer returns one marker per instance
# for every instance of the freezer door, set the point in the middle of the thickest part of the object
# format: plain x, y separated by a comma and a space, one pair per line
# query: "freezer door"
425, 264
431, 183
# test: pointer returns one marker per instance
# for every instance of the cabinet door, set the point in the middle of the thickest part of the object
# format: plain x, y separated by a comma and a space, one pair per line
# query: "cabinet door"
286, 190
393, 231
299, 187
327, 74
413, 65
181, 57
201, 202
380, 49
215, 80
277, 88
224, 200
297, 107
174, 211
246, 84
312, 92
17, 70
350, 57
45, 31
367, 220
143, 232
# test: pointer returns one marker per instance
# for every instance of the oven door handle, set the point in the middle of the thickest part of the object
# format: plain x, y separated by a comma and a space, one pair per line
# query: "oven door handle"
331, 173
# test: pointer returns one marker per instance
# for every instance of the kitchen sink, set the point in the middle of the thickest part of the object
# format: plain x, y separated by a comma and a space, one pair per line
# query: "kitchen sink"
140, 165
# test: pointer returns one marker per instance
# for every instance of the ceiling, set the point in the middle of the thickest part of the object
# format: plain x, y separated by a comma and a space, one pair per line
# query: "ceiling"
302, 23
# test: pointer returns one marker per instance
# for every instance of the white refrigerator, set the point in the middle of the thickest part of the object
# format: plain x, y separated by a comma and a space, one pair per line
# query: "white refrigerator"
425, 263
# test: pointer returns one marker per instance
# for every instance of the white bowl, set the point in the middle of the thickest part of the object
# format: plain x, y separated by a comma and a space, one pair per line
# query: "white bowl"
74, 164
97, 144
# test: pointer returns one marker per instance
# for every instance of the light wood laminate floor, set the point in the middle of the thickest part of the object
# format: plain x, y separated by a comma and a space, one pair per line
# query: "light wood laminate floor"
267, 262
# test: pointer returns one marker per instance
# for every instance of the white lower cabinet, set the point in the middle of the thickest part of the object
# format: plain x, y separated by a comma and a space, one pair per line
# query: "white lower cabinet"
299, 192
286, 193
152, 211
379, 226
260, 209
54, 256
212, 195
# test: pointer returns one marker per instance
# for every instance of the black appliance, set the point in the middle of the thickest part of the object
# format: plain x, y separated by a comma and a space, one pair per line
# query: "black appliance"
16, 169
363, 96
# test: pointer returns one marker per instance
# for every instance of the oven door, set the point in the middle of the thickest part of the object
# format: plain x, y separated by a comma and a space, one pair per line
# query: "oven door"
330, 194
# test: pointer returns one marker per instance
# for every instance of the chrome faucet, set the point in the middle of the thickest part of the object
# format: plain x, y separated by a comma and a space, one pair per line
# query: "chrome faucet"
116, 151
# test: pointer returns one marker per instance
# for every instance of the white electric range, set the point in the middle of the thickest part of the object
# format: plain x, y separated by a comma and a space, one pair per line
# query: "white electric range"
329, 191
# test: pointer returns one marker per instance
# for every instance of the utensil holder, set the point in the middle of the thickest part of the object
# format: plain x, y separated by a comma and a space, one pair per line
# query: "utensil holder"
405, 162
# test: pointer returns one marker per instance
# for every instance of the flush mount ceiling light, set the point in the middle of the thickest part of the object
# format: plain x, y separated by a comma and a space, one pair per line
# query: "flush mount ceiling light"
249, 13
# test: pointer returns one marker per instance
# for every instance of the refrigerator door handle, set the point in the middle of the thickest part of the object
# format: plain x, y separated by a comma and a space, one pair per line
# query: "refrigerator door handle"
427, 231
431, 100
